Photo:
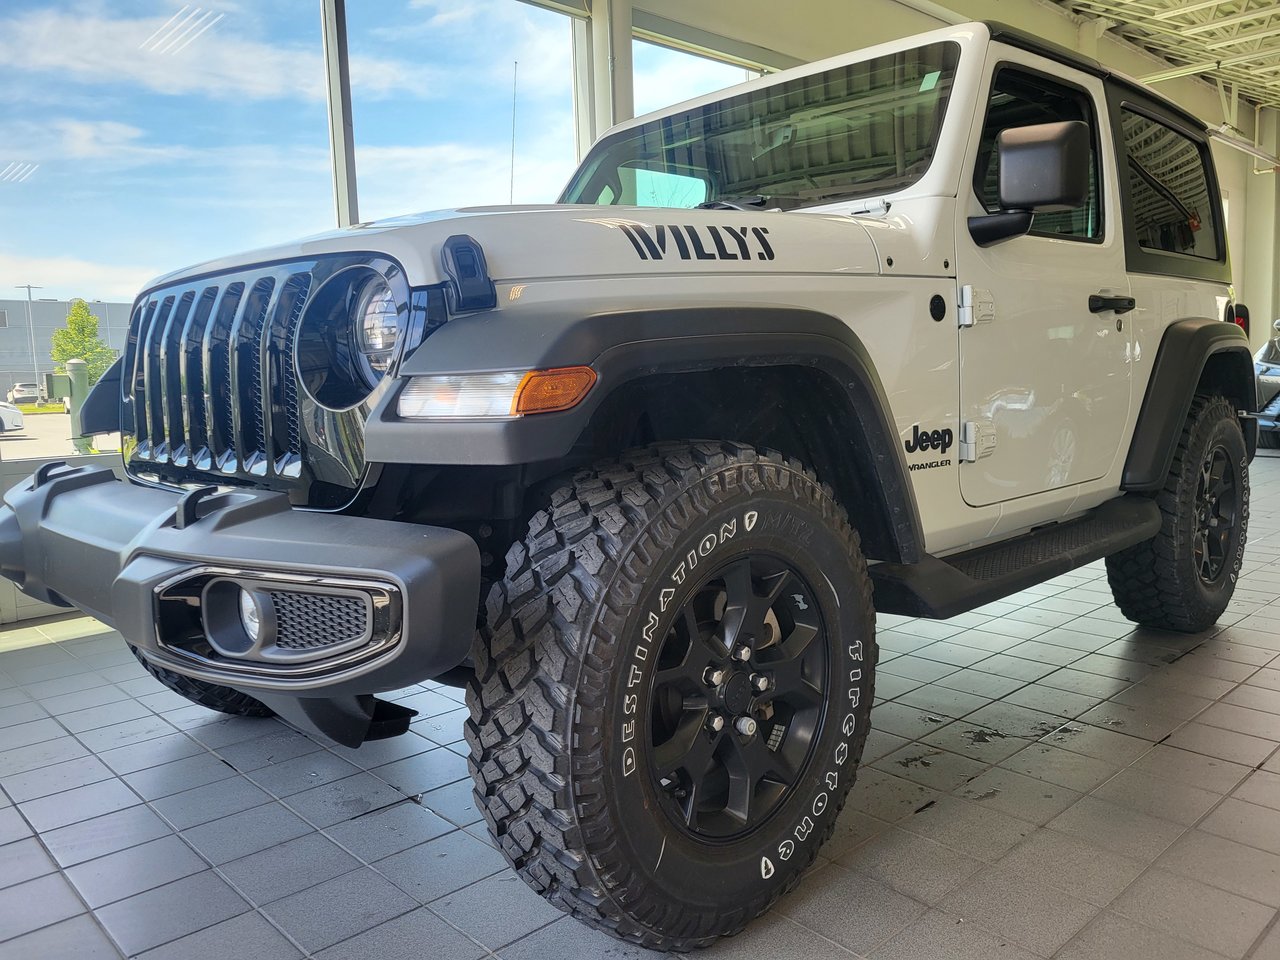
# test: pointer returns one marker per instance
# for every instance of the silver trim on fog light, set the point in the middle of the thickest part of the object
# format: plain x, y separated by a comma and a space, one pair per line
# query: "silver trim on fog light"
215, 636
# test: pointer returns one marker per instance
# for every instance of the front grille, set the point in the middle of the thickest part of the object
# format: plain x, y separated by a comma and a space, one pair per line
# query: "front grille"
201, 382
308, 621
211, 390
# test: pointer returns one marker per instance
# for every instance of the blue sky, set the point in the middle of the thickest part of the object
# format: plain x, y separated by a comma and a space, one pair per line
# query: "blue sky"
163, 136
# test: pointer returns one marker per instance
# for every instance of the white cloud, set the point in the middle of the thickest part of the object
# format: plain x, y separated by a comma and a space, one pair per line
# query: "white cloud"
222, 62
103, 140
64, 277
486, 36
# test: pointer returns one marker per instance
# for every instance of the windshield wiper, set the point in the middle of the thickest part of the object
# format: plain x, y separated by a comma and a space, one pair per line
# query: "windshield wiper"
755, 202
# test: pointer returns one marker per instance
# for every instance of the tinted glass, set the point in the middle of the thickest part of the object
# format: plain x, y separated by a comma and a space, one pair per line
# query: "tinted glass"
1169, 199
862, 129
1021, 100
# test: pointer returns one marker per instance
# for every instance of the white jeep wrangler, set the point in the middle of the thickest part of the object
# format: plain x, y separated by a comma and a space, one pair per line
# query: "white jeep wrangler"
907, 331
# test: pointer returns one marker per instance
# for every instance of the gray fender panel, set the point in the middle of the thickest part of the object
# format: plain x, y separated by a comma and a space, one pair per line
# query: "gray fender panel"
622, 347
1185, 348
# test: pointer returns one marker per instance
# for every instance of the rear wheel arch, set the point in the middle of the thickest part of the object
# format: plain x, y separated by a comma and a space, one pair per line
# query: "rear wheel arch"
1196, 355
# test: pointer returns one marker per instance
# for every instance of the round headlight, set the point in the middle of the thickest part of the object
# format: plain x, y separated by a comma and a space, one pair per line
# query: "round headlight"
377, 324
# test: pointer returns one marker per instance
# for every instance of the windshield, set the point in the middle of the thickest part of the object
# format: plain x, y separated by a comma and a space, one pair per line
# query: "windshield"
862, 129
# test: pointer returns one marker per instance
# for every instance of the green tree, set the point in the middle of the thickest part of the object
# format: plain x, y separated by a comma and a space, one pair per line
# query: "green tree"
80, 339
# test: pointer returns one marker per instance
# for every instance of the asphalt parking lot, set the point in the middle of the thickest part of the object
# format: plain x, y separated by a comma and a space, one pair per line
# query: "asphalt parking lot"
47, 435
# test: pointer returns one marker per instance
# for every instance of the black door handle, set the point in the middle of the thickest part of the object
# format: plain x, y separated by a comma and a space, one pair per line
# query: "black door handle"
1100, 304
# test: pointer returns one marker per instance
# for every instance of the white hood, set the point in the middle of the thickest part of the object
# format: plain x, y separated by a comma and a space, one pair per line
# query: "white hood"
544, 242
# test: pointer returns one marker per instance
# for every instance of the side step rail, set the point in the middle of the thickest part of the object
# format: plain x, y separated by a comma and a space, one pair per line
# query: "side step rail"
944, 587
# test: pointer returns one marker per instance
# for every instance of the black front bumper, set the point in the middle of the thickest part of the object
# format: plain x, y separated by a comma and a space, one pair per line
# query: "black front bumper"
146, 562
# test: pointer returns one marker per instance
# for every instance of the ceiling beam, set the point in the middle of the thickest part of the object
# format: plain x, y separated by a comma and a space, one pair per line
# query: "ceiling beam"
1243, 17
1175, 12
1208, 66
1244, 37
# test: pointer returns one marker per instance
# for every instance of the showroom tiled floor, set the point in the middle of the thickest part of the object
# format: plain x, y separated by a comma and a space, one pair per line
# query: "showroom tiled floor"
1043, 781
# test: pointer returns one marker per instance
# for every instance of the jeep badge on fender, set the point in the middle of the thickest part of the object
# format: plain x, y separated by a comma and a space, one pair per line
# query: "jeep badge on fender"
939, 440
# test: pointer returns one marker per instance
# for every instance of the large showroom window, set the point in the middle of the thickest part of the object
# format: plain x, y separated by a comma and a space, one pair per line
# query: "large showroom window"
664, 76
136, 143
479, 110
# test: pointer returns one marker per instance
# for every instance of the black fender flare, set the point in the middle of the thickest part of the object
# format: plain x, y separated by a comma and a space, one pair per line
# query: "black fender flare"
623, 346
1185, 352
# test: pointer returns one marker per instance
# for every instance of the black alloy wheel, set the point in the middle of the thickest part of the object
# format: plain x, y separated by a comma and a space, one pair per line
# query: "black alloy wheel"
739, 697
1217, 513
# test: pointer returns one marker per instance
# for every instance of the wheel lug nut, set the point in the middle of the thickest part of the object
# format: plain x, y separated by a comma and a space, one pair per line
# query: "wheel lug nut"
760, 682
715, 723
742, 653
745, 726
713, 677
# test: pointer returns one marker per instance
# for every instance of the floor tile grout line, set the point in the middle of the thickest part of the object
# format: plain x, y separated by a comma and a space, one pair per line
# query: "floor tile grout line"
61, 872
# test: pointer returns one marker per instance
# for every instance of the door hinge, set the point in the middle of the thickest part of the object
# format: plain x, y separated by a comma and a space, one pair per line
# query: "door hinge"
977, 440
976, 306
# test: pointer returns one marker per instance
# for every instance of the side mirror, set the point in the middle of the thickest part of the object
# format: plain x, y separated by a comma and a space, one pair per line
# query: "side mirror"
1042, 168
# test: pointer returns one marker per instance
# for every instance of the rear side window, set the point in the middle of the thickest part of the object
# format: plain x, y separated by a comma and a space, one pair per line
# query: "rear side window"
1169, 199
1021, 99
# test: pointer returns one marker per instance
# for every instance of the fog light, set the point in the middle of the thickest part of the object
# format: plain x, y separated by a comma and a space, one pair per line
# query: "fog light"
250, 615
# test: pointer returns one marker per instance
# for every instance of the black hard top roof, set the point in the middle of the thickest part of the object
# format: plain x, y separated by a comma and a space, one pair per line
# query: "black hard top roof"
1054, 51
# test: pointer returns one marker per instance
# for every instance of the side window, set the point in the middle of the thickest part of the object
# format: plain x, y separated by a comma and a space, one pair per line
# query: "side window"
1020, 100
1169, 197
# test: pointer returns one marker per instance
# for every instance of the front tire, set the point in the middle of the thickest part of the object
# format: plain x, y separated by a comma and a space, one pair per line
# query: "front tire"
1184, 577
210, 695
673, 690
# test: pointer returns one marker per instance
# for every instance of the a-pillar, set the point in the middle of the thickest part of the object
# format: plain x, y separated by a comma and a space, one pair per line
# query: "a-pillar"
611, 62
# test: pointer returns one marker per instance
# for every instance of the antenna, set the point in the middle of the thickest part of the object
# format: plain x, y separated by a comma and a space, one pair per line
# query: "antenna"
515, 72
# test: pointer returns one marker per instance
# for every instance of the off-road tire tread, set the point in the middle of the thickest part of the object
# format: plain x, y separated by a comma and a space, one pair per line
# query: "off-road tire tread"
1147, 580
211, 695
540, 791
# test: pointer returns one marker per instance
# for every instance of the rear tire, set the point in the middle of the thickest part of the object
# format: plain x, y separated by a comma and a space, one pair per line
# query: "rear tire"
1269, 439
604, 671
1184, 577
221, 699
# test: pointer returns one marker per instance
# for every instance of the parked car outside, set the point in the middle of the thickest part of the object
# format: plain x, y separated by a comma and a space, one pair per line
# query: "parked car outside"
24, 393
10, 418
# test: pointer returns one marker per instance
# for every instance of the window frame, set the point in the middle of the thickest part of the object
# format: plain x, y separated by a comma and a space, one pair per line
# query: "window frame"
1095, 132
1140, 259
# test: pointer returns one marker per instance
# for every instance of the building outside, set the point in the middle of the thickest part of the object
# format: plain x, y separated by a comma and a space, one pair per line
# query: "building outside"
17, 365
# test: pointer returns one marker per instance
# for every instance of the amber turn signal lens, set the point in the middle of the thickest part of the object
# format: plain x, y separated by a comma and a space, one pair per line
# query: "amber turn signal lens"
546, 391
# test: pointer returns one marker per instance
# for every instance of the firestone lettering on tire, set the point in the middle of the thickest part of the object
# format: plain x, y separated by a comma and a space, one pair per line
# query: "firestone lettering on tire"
848, 727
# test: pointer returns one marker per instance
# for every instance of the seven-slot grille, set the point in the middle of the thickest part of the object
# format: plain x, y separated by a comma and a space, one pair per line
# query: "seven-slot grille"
210, 374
